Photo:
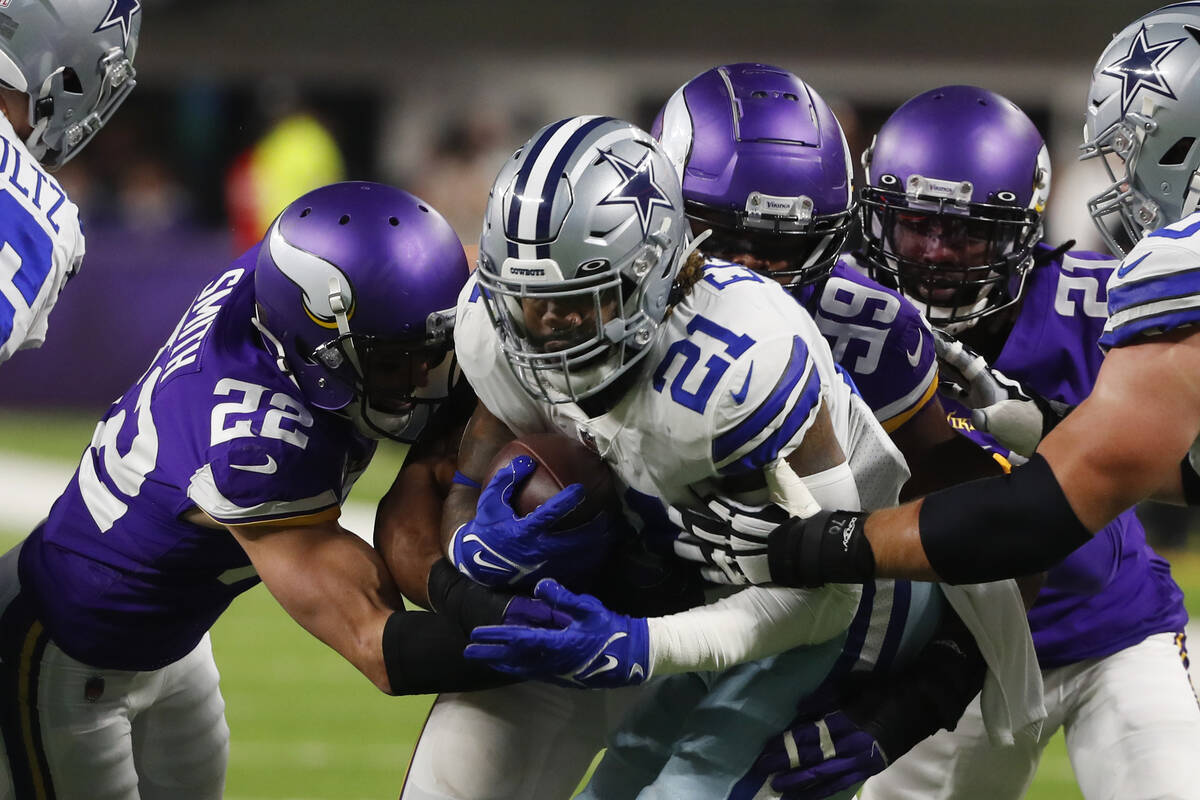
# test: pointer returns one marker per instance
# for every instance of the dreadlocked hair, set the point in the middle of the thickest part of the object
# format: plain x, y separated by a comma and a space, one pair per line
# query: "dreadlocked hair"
689, 275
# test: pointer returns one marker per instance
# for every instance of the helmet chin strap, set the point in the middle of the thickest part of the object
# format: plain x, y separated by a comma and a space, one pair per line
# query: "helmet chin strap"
1192, 196
337, 303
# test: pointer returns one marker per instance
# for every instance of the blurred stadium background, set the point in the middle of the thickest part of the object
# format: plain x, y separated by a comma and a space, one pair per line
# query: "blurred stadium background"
242, 106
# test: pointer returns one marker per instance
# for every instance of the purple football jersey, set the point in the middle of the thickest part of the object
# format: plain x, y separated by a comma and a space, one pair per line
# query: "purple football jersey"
878, 337
1115, 590
117, 577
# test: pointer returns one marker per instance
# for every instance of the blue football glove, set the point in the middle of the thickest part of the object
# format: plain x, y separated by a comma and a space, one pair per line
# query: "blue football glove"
824, 752
500, 549
598, 648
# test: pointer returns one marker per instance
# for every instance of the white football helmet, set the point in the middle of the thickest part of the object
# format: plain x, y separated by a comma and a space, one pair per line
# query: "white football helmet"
1143, 122
75, 60
582, 239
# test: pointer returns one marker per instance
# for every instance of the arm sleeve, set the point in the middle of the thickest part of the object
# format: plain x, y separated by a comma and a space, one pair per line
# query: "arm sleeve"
753, 623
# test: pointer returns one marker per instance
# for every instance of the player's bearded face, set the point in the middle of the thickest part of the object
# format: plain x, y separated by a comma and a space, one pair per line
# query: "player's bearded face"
558, 323
945, 247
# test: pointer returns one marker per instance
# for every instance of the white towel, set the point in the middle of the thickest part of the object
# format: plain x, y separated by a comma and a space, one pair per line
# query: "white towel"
1012, 700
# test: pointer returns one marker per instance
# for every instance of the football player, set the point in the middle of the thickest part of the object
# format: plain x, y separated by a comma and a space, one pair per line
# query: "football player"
1108, 624
693, 379
227, 463
1142, 123
65, 67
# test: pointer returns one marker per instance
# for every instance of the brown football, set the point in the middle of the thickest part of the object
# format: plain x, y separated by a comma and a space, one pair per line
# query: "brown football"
560, 461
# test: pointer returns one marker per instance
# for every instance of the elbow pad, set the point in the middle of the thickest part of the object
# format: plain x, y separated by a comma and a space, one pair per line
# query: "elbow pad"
1003, 527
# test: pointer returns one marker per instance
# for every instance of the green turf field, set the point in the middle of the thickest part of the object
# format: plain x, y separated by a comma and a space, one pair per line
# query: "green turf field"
304, 723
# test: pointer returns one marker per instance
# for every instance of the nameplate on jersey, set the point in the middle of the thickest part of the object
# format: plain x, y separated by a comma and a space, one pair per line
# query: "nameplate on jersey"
183, 348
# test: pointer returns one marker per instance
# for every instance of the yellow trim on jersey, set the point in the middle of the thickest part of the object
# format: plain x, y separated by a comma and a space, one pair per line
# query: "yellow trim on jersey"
328, 514
28, 703
892, 423
1004, 463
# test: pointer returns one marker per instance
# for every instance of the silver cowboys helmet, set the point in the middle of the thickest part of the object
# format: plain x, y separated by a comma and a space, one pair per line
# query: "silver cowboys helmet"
582, 240
74, 58
1143, 122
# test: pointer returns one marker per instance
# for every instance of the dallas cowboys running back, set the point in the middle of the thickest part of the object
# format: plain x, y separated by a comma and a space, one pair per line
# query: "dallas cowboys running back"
65, 67
1108, 624
226, 463
722, 394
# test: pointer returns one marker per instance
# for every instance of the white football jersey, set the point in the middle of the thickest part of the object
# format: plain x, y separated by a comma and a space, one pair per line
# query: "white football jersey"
41, 244
1157, 287
734, 379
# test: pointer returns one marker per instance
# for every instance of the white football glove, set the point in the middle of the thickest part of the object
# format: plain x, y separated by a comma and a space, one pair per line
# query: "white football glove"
729, 541
1016, 416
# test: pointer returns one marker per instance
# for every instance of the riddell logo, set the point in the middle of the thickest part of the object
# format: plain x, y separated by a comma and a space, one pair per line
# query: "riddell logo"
845, 528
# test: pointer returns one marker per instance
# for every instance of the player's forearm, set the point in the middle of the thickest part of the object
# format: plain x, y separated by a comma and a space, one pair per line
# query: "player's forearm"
753, 623
975, 532
407, 529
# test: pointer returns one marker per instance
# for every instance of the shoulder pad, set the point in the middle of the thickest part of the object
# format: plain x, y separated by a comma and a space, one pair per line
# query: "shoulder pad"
1157, 286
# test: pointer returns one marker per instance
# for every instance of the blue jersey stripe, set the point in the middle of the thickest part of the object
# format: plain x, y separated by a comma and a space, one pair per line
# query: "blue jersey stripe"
7, 313
1167, 233
1152, 290
1154, 323
805, 406
522, 179
856, 634
901, 602
542, 231
727, 443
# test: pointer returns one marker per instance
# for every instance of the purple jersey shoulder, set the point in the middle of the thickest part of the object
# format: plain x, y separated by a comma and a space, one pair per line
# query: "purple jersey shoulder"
878, 337
117, 576
1115, 590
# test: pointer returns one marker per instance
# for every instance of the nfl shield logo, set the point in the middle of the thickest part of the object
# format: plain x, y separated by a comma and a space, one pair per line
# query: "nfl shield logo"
5, 3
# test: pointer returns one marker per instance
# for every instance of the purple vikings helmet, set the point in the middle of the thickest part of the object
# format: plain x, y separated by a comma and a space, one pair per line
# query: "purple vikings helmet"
956, 179
1143, 121
764, 164
356, 285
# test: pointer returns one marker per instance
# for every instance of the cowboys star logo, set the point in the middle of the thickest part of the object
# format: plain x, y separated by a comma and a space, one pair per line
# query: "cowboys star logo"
1138, 69
120, 13
638, 189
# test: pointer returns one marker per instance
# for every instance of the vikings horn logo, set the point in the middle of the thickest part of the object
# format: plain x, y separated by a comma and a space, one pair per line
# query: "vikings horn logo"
318, 280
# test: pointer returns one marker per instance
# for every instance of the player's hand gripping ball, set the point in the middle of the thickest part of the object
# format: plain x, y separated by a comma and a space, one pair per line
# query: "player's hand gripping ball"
548, 509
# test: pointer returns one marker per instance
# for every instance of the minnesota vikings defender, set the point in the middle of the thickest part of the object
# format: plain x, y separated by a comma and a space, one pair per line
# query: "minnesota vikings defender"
766, 168
1108, 623
695, 382
1142, 121
226, 463
65, 67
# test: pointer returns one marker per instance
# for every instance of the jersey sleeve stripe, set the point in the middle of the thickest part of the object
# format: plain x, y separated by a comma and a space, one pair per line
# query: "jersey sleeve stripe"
891, 420
728, 443
803, 410
1156, 320
1156, 288
1168, 233
203, 491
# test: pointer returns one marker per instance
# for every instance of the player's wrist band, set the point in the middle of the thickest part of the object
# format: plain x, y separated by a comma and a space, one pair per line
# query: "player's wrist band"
463, 601
1191, 481
465, 481
1002, 527
828, 547
423, 654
